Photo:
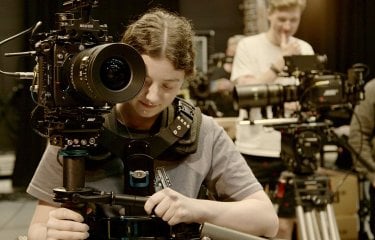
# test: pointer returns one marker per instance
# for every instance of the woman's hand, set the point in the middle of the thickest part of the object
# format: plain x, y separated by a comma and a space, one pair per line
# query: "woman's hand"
66, 224
173, 207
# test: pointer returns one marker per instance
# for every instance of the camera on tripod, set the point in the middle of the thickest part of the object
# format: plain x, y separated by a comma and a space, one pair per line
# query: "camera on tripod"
317, 91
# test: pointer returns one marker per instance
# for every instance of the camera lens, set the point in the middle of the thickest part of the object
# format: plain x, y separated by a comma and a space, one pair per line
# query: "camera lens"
107, 73
259, 95
115, 73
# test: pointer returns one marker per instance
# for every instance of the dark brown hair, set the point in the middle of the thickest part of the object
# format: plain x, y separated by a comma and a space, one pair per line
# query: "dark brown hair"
159, 33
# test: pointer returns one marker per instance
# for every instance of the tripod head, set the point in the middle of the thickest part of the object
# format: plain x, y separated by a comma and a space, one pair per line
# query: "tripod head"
301, 144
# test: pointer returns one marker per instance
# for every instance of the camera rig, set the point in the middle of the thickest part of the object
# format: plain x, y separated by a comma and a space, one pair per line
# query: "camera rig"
317, 91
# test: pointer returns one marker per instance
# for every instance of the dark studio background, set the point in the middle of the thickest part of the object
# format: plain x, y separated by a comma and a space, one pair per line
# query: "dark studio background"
341, 29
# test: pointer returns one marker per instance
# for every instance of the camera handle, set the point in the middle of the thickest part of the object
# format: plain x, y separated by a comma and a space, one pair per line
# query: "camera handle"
73, 180
74, 195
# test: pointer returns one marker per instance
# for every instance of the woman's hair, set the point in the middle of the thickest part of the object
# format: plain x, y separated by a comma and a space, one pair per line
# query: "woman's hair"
159, 33
285, 4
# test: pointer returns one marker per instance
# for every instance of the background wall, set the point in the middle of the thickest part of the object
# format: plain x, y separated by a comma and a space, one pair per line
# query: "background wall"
8, 89
224, 17
341, 29
16, 133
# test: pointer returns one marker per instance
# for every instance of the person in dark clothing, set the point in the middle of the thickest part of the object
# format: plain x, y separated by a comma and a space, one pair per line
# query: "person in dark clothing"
362, 139
219, 78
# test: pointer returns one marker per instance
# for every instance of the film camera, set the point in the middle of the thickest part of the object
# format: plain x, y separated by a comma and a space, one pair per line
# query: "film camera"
316, 87
80, 73
317, 92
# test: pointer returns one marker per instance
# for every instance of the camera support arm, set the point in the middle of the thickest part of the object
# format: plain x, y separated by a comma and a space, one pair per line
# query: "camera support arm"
270, 122
110, 198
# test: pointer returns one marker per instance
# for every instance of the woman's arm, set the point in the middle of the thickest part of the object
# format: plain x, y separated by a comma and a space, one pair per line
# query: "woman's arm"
253, 215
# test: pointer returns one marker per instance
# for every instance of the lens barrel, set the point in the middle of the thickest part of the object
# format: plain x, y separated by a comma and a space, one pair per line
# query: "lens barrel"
108, 73
259, 95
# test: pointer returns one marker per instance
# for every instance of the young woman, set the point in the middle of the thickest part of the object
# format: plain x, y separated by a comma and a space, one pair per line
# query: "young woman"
164, 40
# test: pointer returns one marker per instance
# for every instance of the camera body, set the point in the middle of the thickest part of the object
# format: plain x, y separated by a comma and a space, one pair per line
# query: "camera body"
319, 90
55, 53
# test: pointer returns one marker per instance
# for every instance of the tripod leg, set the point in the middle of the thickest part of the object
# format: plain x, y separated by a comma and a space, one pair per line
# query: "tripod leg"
332, 223
364, 207
310, 226
315, 226
324, 225
301, 222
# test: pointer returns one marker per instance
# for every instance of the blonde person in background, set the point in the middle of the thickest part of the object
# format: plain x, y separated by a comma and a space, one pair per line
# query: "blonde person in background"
258, 60
220, 76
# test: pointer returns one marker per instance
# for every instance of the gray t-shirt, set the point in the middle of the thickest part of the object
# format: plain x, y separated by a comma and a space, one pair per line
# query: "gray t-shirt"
216, 163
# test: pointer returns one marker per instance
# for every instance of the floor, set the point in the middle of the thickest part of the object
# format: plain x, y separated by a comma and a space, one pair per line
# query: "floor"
16, 209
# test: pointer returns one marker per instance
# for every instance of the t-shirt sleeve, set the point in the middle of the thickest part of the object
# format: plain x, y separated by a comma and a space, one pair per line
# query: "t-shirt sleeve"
230, 177
47, 176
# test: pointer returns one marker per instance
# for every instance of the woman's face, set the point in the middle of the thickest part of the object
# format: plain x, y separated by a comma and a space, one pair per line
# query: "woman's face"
162, 84
284, 22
